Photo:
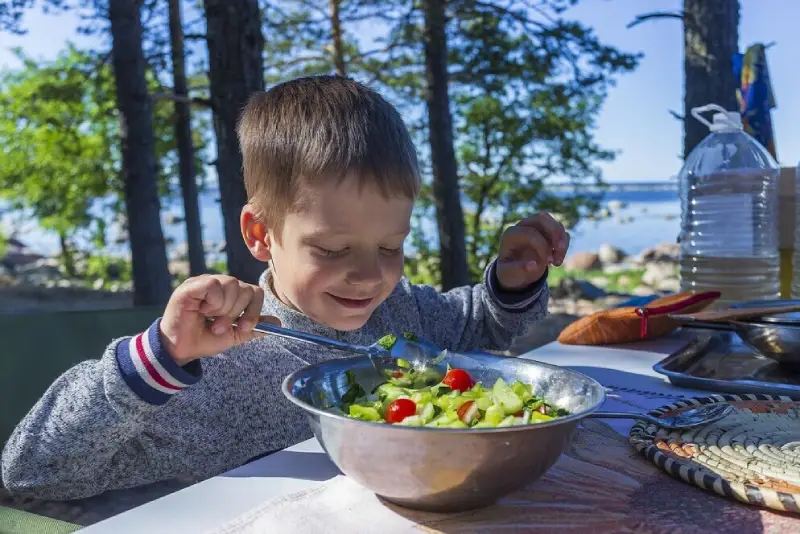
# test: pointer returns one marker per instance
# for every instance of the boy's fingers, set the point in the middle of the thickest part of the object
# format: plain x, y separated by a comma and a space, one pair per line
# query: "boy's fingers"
524, 243
232, 290
560, 254
552, 230
210, 292
243, 299
251, 311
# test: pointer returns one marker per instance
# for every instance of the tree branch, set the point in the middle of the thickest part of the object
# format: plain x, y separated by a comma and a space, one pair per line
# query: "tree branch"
681, 15
195, 36
676, 115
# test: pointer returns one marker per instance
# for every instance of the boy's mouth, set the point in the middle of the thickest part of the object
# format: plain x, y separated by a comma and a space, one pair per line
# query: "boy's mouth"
352, 303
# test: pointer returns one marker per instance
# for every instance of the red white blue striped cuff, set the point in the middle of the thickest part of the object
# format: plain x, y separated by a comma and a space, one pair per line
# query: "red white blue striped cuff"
150, 371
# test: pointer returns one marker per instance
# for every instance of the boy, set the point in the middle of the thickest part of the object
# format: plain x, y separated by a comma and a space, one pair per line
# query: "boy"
331, 176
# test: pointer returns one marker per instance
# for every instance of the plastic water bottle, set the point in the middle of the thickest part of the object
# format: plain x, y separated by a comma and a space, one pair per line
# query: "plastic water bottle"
729, 214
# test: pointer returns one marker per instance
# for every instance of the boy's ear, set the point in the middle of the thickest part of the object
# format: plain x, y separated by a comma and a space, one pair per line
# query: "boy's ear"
255, 234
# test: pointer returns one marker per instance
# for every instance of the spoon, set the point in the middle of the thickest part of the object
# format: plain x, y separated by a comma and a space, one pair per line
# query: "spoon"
695, 417
407, 362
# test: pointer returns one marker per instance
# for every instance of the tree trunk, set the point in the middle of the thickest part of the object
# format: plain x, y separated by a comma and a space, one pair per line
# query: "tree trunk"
67, 259
183, 138
447, 196
151, 278
336, 38
236, 70
711, 38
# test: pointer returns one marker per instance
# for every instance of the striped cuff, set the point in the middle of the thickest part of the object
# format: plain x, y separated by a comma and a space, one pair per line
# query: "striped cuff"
150, 371
520, 300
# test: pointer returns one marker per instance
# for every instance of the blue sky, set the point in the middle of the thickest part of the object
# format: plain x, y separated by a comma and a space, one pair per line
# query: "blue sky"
635, 119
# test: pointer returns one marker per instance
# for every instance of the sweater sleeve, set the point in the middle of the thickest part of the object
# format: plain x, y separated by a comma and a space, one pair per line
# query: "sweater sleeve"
89, 431
481, 317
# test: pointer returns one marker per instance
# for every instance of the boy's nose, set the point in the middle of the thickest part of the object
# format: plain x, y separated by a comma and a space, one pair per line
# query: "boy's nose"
364, 271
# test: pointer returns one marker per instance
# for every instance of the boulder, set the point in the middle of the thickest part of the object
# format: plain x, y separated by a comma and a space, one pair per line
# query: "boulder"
655, 273
671, 285
663, 253
582, 261
572, 289
610, 255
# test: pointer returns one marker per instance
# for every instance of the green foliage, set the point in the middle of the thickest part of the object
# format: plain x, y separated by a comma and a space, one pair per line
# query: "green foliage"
624, 281
60, 153
59, 128
526, 86
3, 243
110, 269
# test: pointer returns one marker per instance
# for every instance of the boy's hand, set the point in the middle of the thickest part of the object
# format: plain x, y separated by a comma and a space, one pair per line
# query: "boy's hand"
527, 248
186, 332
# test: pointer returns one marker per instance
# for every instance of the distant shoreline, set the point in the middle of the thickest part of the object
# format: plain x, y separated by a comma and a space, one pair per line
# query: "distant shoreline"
617, 186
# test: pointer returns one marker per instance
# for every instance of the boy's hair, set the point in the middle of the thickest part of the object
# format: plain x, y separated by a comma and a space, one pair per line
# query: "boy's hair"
321, 127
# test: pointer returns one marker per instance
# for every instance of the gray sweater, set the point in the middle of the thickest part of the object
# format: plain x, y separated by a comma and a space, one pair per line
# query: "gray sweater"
134, 416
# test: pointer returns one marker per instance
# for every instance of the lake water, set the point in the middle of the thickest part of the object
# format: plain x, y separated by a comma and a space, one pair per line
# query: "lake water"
645, 218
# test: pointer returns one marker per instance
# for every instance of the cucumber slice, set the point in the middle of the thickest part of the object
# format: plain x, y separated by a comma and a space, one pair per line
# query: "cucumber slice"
456, 424
508, 421
538, 417
365, 413
427, 413
504, 395
441, 420
494, 415
484, 403
414, 420
422, 397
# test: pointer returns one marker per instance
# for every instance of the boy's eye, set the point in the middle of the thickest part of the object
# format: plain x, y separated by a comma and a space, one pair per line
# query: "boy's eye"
329, 253
392, 251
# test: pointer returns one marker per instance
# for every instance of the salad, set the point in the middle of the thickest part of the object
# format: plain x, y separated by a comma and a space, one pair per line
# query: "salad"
455, 402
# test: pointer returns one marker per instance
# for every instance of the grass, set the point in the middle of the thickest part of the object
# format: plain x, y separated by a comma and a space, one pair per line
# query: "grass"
623, 281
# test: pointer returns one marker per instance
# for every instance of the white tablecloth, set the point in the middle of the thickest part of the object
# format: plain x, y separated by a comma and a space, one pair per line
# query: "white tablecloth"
626, 371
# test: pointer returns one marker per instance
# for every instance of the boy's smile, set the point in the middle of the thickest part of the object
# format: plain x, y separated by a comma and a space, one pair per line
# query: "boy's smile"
339, 252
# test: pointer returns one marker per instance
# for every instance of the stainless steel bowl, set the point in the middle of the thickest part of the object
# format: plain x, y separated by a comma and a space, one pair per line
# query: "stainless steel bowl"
443, 470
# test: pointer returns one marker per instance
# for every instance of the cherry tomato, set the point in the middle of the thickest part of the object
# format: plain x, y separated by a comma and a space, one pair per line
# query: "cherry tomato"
468, 412
458, 380
400, 409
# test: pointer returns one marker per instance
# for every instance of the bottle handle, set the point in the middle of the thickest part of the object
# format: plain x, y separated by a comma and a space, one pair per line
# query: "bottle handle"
696, 113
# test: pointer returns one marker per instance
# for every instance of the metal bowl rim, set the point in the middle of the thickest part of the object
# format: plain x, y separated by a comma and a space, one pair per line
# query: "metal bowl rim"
520, 428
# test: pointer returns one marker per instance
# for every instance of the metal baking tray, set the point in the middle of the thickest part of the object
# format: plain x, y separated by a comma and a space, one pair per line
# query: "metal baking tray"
721, 362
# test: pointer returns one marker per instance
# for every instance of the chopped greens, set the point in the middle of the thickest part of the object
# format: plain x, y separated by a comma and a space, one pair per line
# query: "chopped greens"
387, 341
473, 405
353, 393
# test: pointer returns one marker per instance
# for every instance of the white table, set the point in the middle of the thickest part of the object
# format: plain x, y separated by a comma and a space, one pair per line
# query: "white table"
220, 499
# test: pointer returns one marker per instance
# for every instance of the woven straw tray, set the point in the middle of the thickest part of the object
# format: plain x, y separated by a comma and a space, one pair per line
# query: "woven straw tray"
752, 455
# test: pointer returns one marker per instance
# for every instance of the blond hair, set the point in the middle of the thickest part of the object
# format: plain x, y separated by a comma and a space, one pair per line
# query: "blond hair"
322, 127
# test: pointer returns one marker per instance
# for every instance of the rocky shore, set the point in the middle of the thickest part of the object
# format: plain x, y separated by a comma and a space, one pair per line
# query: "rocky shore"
588, 281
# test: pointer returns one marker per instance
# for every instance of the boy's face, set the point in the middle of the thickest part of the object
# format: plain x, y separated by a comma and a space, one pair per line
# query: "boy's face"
341, 254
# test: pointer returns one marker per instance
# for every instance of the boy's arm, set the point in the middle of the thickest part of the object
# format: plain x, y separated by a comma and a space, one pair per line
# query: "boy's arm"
481, 317
89, 431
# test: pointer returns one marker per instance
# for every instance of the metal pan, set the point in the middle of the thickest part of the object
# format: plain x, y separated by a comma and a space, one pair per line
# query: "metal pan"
775, 340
